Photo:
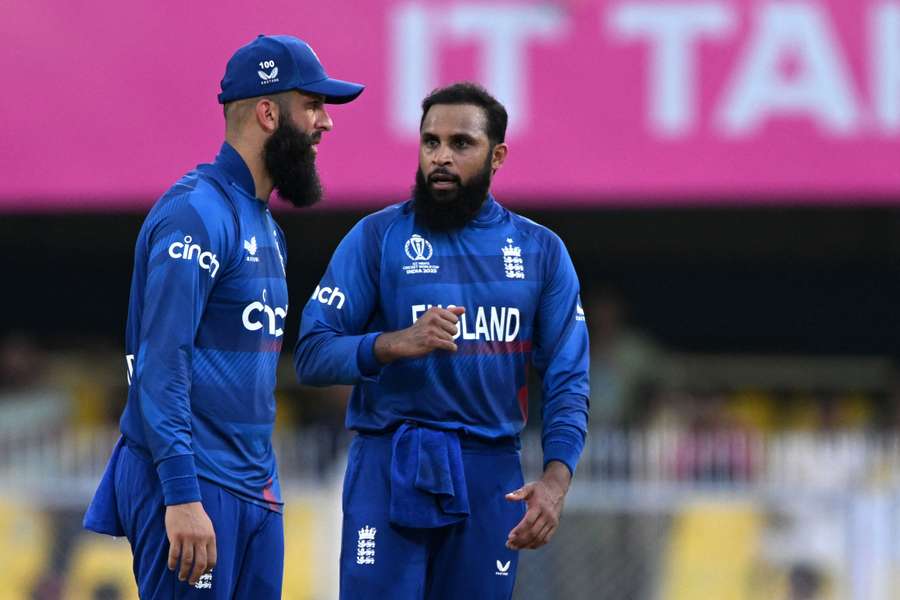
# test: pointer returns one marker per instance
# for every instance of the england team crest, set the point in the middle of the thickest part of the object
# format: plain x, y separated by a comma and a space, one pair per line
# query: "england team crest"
513, 263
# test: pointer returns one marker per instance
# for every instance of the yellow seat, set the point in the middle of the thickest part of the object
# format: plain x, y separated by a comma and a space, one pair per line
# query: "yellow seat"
24, 549
100, 562
712, 552
753, 410
299, 519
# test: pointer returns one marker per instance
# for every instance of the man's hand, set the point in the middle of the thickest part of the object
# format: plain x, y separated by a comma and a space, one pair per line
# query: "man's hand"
545, 503
432, 331
192, 538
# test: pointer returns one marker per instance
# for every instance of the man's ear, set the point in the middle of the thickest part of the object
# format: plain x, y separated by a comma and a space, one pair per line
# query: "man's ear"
498, 156
267, 114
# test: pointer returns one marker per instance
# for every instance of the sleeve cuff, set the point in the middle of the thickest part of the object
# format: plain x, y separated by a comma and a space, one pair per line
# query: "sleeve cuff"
564, 445
178, 476
365, 356
561, 453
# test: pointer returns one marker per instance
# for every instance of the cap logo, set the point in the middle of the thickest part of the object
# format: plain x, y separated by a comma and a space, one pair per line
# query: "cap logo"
271, 76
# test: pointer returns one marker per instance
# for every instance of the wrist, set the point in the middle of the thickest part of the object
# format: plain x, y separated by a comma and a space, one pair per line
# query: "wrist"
385, 347
557, 475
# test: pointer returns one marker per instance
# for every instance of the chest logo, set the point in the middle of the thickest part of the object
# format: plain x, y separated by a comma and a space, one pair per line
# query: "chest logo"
258, 315
419, 250
512, 260
251, 249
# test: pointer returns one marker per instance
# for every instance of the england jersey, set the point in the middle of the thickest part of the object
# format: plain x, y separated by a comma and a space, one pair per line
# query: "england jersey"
205, 327
520, 292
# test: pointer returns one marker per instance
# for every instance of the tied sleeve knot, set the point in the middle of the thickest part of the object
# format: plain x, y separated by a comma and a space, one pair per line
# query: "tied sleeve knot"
428, 484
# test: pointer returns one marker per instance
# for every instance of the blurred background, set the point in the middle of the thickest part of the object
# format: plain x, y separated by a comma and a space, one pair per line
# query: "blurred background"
725, 173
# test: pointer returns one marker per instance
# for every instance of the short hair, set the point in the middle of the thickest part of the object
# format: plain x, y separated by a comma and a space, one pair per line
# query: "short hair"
466, 92
245, 104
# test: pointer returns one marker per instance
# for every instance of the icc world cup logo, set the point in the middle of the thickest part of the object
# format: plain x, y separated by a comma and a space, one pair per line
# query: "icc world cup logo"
418, 248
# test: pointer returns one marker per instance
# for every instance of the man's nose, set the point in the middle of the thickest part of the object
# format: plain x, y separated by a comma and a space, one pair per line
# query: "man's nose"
443, 156
324, 121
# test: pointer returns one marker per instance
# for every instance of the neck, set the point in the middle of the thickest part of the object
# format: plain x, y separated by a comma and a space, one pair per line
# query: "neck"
253, 158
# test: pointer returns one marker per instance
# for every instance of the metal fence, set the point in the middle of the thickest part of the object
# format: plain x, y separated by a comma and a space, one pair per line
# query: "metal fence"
658, 514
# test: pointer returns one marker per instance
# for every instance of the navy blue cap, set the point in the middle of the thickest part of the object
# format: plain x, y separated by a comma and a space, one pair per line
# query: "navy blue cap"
279, 63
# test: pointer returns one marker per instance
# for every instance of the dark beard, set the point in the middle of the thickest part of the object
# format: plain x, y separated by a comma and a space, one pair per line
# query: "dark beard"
443, 211
289, 158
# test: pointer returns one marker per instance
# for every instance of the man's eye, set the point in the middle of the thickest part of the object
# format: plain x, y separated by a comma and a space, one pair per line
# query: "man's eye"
431, 143
462, 144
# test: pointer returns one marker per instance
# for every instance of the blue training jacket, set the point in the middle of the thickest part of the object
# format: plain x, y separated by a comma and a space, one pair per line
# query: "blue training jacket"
205, 327
521, 294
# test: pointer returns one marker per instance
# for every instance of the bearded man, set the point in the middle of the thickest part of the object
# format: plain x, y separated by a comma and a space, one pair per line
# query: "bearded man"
435, 309
192, 482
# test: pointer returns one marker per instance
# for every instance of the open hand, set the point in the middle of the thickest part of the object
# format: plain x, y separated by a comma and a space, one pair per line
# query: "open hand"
545, 500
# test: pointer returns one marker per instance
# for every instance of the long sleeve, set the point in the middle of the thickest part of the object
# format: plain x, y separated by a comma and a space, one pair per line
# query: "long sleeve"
561, 357
334, 345
185, 258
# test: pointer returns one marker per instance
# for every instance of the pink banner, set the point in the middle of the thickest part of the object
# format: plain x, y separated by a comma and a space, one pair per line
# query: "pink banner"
628, 102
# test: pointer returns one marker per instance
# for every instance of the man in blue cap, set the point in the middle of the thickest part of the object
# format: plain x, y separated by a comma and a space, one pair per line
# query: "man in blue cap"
192, 482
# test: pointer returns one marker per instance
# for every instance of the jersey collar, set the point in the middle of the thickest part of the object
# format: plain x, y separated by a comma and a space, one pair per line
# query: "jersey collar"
489, 213
235, 169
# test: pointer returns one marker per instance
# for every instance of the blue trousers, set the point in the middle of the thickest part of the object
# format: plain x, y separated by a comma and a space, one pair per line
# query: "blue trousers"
467, 560
249, 539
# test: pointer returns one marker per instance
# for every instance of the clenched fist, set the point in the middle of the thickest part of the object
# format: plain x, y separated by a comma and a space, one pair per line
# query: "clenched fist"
432, 331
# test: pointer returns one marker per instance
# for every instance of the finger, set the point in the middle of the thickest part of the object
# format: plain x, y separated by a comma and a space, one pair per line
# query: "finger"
212, 555
174, 553
550, 534
520, 494
443, 314
530, 535
525, 524
442, 334
444, 345
199, 565
541, 538
187, 560
451, 313
447, 326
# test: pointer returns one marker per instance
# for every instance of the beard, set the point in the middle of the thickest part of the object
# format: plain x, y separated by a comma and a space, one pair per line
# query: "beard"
451, 209
291, 163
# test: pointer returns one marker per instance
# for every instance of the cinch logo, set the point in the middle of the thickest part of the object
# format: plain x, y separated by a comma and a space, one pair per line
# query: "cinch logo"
187, 251
328, 296
254, 310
